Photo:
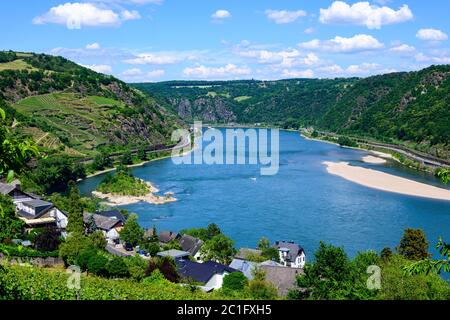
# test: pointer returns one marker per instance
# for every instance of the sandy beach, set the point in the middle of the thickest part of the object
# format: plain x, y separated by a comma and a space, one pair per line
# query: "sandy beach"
373, 160
121, 200
386, 182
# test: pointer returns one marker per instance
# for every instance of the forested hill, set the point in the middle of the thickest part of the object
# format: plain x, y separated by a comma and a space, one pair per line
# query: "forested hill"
73, 110
410, 108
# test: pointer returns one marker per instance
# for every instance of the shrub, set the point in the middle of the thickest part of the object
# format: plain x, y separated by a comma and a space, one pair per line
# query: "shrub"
117, 268
235, 281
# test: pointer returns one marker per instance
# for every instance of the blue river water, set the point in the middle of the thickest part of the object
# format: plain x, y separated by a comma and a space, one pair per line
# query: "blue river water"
302, 203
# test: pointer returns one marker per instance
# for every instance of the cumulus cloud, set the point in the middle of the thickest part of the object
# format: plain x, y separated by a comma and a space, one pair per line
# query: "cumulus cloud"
309, 30
284, 16
228, 71
100, 68
287, 58
298, 73
403, 48
421, 57
77, 15
137, 75
221, 14
93, 46
154, 58
431, 35
359, 42
363, 69
364, 14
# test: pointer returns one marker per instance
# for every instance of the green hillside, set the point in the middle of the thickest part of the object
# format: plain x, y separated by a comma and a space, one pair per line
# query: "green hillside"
408, 108
69, 109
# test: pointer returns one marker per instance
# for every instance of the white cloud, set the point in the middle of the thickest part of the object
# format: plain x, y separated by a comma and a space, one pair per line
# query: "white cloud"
420, 57
155, 58
127, 15
284, 16
364, 14
137, 75
93, 46
287, 58
228, 71
363, 69
100, 68
403, 48
431, 35
309, 31
298, 73
359, 42
221, 14
77, 15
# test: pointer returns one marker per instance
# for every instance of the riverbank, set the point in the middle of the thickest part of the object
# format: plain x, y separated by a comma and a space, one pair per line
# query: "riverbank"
123, 200
386, 182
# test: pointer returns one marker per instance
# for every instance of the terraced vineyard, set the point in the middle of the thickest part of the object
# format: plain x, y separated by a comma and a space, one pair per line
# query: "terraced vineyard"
76, 121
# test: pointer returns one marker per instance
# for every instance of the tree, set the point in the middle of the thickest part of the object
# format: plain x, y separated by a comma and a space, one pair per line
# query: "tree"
414, 245
235, 281
220, 248
132, 233
48, 240
117, 268
443, 174
98, 240
70, 249
386, 254
11, 226
213, 230
334, 276
127, 159
263, 244
169, 269
142, 154
91, 226
259, 288
14, 153
97, 264
75, 208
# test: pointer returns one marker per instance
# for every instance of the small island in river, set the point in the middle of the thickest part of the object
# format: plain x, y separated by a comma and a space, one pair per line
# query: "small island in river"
123, 188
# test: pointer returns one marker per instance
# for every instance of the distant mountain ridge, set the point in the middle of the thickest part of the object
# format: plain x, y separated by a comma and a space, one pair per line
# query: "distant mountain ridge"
412, 108
71, 109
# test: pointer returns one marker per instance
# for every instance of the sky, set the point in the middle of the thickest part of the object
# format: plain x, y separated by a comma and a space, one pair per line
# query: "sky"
159, 40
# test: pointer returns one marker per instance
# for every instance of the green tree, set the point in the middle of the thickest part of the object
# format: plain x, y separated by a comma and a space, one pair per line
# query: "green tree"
386, 254
220, 248
14, 153
75, 210
263, 244
427, 266
127, 158
443, 174
142, 154
97, 264
48, 240
117, 268
71, 248
414, 245
91, 226
98, 240
132, 233
235, 281
11, 226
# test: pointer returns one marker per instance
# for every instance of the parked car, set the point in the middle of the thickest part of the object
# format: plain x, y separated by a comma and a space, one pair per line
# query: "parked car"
128, 247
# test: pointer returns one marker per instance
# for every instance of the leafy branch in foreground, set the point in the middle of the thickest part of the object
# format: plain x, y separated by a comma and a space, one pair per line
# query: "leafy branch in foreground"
426, 266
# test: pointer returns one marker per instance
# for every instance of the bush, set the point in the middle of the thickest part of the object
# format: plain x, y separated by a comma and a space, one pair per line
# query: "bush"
48, 240
235, 281
97, 265
117, 268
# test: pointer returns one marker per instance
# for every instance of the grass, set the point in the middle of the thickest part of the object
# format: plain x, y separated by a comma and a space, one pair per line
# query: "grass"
16, 65
79, 122
213, 94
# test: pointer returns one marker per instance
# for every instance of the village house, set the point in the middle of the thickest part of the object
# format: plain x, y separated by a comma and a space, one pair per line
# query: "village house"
247, 253
210, 274
110, 226
33, 211
174, 254
291, 254
168, 236
191, 245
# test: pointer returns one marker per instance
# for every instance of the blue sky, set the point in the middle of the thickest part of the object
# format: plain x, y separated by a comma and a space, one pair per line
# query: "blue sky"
156, 40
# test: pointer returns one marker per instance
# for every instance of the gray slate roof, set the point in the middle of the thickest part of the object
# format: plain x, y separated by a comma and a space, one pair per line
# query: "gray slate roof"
168, 236
190, 244
293, 249
246, 267
283, 278
173, 253
102, 223
6, 188
245, 252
